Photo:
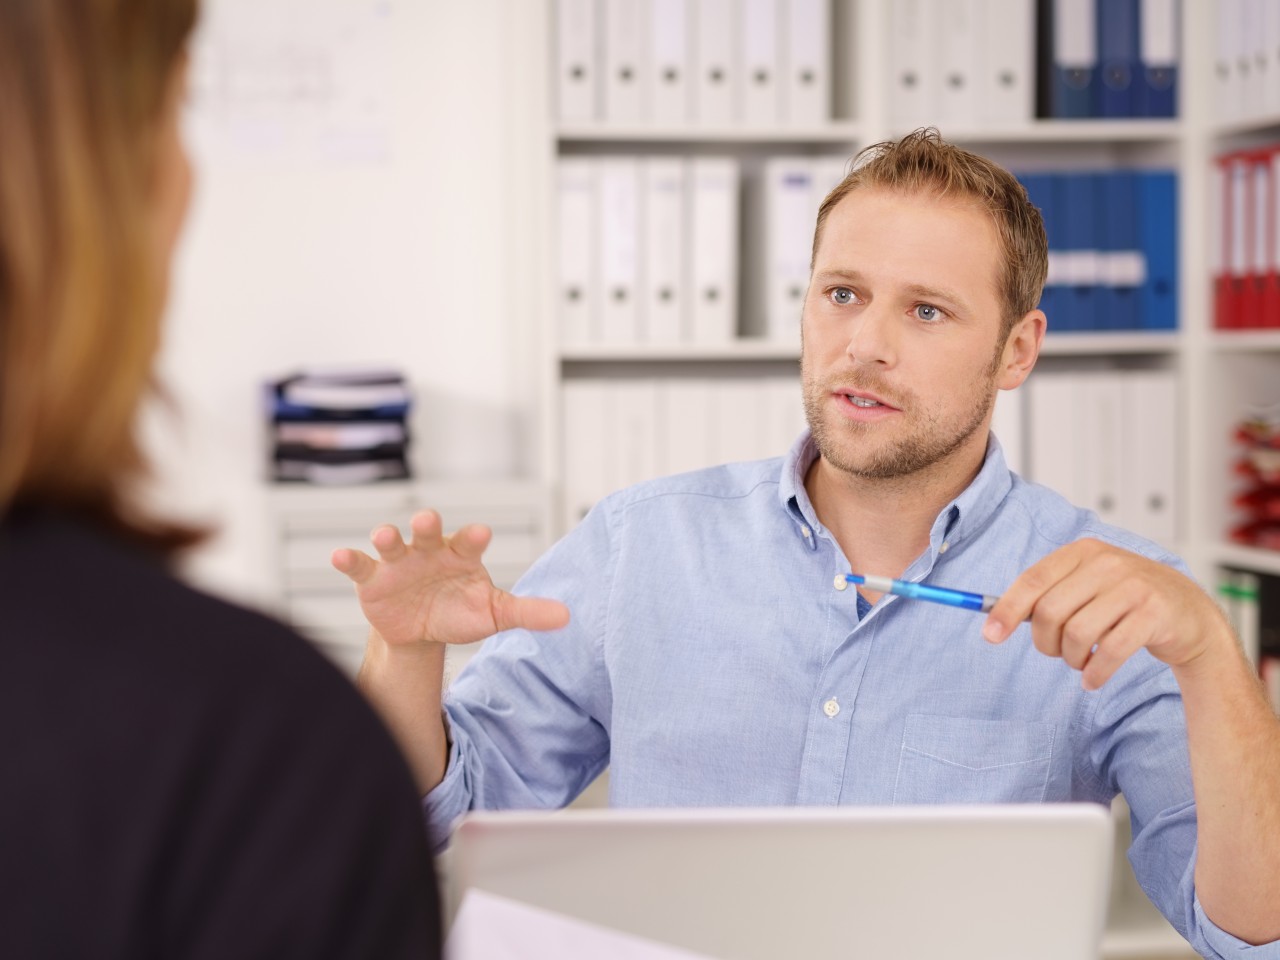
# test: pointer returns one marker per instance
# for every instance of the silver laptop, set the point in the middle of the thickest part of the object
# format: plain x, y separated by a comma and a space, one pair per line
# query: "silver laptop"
914, 883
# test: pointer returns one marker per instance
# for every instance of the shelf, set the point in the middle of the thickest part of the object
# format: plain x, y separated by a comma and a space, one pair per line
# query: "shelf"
1250, 340
847, 131
1247, 558
1269, 123
388, 495
1091, 344
836, 132
680, 352
1058, 345
1070, 131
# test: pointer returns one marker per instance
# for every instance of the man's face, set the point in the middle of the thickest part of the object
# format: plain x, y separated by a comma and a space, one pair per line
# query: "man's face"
901, 328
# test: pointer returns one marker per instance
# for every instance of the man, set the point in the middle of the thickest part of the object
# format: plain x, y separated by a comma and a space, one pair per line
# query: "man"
710, 659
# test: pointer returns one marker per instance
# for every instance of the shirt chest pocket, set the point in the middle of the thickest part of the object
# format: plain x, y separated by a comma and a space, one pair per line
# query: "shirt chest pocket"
958, 760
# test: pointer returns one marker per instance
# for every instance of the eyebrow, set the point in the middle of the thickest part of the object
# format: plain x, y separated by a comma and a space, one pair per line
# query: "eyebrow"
915, 289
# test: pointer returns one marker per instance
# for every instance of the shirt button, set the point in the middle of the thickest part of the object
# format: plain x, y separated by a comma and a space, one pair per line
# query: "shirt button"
806, 532
943, 548
831, 708
840, 582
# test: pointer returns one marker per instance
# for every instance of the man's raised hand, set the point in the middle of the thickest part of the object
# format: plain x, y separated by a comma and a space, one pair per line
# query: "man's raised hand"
435, 588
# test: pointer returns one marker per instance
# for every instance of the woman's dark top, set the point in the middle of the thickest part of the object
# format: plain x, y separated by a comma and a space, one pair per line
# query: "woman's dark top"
182, 778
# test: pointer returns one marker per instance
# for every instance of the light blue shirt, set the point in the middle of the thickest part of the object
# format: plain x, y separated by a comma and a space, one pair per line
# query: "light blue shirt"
710, 661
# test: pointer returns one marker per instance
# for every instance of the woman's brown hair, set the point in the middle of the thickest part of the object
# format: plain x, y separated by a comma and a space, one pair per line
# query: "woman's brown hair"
83, 88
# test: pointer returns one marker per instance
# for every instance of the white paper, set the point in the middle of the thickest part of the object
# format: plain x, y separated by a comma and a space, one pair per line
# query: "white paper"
489, 927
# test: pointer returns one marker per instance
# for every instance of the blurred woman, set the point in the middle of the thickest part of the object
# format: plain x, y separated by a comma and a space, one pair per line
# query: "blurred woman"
181, 778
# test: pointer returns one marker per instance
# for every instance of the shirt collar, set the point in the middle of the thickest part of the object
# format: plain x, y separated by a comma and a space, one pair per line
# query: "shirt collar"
962, 517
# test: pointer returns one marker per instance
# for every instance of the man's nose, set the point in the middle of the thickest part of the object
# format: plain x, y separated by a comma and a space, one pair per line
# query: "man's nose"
873, 336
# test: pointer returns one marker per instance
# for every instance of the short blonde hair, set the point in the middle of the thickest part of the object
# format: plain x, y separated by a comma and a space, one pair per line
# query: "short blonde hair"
922, 162
83, 84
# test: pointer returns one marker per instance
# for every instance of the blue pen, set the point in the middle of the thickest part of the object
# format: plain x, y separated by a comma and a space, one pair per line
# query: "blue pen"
920, 591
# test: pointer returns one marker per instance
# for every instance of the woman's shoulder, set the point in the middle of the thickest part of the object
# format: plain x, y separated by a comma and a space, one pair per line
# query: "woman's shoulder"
84, 603
209, 737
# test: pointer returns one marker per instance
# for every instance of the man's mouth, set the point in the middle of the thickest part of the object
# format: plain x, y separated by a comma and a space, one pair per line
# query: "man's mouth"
865, 401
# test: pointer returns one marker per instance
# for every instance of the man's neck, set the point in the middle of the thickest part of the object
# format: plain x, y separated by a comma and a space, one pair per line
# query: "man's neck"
882, 525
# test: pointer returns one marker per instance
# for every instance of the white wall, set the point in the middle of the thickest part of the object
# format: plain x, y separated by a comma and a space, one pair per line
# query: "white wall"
363, 194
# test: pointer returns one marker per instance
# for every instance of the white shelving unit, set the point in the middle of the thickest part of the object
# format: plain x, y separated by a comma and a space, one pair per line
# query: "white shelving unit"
1237, 369
1228, 371
859, 117
1241, 370
1215, 368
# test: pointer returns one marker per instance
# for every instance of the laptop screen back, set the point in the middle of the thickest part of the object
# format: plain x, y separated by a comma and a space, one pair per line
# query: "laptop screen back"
924, 882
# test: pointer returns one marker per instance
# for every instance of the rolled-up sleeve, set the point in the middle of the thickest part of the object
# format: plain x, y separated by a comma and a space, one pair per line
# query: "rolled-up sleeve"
528, 717
1213, 941
1140, 749
449, 800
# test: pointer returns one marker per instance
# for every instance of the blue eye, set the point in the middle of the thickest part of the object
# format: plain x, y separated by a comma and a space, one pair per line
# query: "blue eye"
928, 313
842, 295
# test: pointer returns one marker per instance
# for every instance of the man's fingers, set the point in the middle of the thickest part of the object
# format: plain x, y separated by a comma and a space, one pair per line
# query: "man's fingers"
424, 530
1020, 599
1095, 605
356, 565
1091, 625
386, 540
470, 541
530, 613
1056, 627
1120, 644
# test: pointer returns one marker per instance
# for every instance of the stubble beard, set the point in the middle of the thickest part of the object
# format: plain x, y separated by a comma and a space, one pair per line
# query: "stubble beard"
844, 443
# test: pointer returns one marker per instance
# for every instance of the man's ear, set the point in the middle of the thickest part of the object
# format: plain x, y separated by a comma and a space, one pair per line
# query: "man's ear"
1021, 350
